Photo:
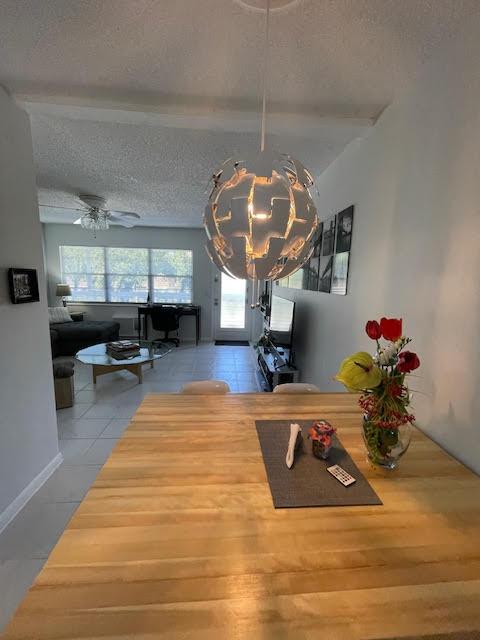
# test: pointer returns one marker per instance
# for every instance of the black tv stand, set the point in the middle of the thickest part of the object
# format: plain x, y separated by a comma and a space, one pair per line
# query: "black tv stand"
274, 367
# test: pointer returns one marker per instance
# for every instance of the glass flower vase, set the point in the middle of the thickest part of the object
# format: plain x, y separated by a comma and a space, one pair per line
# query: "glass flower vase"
319, 450
384, 446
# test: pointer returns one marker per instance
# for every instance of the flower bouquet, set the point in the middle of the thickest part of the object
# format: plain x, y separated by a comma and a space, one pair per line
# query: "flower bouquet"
321, 435
385, 397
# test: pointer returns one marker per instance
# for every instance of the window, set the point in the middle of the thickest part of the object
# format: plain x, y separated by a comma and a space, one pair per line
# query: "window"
127, 275
118, 274
172, 275
84, 270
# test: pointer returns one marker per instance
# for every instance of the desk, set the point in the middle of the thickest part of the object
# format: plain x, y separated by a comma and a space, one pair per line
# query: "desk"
183, 310
178, 538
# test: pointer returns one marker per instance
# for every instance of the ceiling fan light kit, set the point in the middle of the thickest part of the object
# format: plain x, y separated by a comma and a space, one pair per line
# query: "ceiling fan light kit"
96, 216
260, 218
95, 221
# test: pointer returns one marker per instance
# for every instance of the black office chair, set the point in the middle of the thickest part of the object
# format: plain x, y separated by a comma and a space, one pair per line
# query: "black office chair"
165, 319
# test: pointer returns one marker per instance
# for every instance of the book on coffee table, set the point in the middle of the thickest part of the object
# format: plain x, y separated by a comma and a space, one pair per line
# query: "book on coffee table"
123, 349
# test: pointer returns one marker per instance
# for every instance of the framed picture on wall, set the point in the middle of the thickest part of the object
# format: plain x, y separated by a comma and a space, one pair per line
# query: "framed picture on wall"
296, 280
23, 285
340, 273
328, 243
325, 274
313, 267
305, 274
326, 255
344, 230
317, 241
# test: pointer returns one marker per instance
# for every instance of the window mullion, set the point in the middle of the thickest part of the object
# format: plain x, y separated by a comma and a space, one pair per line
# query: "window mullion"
105, 275
150, 275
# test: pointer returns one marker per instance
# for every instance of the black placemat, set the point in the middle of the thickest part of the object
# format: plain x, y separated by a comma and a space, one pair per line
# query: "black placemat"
308, 483
453, 635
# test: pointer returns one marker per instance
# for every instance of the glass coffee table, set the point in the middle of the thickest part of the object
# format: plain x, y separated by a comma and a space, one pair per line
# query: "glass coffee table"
103, 363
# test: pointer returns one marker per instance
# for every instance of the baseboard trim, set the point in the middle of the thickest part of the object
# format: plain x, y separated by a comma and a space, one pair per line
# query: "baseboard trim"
30, 490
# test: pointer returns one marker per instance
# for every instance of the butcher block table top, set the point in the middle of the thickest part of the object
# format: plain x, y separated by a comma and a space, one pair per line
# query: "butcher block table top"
178, 538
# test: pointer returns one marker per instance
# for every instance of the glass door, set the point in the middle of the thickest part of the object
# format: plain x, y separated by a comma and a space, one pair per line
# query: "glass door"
232, 311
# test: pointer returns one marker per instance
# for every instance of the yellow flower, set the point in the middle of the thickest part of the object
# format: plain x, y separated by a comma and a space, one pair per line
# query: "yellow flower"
358, 372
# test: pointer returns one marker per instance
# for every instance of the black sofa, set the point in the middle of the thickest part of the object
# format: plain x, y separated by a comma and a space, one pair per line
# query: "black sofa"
69, 337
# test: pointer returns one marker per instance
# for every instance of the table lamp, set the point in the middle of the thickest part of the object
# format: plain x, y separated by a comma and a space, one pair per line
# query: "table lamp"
62, 291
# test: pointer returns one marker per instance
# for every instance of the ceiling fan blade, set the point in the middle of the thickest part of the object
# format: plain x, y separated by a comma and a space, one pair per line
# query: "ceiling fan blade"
126, 214
55, 206
123, 222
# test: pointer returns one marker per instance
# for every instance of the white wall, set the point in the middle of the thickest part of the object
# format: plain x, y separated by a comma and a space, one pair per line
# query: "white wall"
415, 183
28, 427
153, 237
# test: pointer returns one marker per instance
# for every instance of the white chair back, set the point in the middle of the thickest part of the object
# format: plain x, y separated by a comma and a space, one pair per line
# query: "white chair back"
296, 387
205, 387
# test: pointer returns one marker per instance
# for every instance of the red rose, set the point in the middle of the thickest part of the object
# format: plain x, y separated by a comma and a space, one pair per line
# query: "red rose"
391, 328
407, 361
373, 330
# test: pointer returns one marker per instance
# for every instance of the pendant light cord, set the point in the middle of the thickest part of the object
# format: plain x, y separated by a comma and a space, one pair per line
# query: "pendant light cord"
265, 68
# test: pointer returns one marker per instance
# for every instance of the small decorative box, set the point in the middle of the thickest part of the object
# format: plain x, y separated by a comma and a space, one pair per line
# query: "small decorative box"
321, 435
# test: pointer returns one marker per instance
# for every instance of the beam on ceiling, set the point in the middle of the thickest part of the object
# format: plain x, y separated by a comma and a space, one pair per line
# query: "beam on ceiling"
183, 116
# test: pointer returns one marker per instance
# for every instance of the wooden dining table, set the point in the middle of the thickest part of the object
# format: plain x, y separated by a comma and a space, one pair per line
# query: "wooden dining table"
178, 538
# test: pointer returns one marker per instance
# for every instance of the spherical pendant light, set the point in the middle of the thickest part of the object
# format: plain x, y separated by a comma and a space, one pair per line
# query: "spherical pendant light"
260, 219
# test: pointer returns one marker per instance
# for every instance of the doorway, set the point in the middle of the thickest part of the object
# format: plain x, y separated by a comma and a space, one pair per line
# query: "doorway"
232, 317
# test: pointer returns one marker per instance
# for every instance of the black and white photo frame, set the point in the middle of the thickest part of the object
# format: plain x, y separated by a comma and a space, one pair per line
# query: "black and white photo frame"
23, 285
340, 273
344, 230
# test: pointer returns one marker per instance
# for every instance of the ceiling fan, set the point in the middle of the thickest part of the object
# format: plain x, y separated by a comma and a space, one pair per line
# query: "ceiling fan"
96, 217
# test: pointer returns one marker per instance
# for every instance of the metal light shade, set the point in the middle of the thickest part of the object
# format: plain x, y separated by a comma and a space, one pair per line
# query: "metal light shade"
63, 290
260, 219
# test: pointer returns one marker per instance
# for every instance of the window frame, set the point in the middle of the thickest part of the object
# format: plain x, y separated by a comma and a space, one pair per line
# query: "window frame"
106, 288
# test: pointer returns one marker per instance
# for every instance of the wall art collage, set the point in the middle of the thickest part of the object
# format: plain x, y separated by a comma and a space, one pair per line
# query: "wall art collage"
327, 268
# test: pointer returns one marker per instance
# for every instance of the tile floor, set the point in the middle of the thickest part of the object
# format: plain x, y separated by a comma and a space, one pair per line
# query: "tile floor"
87, 433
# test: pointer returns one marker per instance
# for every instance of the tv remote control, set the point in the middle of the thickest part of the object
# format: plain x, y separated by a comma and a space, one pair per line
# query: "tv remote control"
341, 475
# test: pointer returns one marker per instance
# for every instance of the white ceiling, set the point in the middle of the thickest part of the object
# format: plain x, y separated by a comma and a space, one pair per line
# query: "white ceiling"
139, 101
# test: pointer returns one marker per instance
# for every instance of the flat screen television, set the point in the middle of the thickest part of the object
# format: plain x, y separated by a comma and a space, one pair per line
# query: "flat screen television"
282, 312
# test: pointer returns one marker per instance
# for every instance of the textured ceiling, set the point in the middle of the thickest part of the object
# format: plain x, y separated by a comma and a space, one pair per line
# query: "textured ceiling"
331, 56
158, 171
179, 75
